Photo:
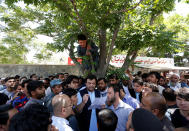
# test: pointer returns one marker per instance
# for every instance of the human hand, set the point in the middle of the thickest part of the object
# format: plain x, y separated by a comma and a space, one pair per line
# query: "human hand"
85, 98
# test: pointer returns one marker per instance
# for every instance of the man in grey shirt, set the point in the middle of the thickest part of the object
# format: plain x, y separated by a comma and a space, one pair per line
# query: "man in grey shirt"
36, 90
9, 89
121, 109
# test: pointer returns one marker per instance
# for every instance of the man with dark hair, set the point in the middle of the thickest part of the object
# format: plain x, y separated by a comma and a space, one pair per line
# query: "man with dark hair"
170, 97
113, 79
9, 91
162, 82
36, 90
56, 88
102, 86
144, 77
156, 103
17, 79
66, 76
46, 82
121, 109
107, 120
180, 117
33, 118
154, 78
72, 82
72, 93
143, 120
87, 118
6, 113
87, 48
33, 77
60, 76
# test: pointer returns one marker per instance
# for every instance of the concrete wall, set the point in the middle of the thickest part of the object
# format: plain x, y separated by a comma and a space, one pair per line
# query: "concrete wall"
41, 70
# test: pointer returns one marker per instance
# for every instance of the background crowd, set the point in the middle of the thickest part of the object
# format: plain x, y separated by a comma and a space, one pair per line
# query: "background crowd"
140, 102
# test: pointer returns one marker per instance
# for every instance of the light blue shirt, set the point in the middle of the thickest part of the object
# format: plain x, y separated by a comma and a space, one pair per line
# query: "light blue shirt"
137, 96
126, 90
131, 101
93, 121
122, 111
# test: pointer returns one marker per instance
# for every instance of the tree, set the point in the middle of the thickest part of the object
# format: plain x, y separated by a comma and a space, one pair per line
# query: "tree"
105, 22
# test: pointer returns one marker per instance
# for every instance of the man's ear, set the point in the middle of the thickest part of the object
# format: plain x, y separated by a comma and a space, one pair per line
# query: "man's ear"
33, 93
155, 112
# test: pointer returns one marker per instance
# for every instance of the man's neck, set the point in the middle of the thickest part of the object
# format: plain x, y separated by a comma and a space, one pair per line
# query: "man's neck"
171, 103
185, 114
116, 103
103, 90
9, 89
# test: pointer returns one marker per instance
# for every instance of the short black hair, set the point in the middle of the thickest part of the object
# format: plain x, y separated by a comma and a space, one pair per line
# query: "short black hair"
91, 77
81, 37
33, 85
169, 94
70, 79
8, 78
32, 75
17, 77
102, 78
3, 98
70, 92
107, 120
47, 79
113, 76
184, 93
157, 75
16, 86
25, 81
138, 81
144, 75
115, 87
32, 118
58, 74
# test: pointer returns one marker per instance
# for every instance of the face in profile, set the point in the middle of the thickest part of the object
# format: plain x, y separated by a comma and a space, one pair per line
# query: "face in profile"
110, 97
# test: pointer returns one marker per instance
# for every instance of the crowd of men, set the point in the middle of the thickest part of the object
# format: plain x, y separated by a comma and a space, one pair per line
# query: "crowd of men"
63, 102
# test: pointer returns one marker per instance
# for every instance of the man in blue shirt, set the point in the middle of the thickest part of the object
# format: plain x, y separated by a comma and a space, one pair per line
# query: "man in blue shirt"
121, 109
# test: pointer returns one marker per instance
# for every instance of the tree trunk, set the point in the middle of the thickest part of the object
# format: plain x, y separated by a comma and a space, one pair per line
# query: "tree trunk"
103, 53
131, 56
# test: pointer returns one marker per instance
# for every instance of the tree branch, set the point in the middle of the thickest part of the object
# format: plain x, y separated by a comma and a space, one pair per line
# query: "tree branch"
81, 23
126, 10
111, 46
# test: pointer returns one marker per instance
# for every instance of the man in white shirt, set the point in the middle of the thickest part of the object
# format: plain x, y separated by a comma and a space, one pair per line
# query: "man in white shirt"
174, 82
62, 108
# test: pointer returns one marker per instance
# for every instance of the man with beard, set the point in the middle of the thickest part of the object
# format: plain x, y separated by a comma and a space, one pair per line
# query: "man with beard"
102, 87
36, 90
174, 82
121, 109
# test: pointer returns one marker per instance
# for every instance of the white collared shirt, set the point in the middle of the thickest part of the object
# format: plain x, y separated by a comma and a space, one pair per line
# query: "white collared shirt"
61, 124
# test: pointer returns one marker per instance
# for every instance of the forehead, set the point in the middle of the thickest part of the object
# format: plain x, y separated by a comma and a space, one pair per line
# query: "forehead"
174, 76
10, 80
93, 80
110, 89
101, 81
